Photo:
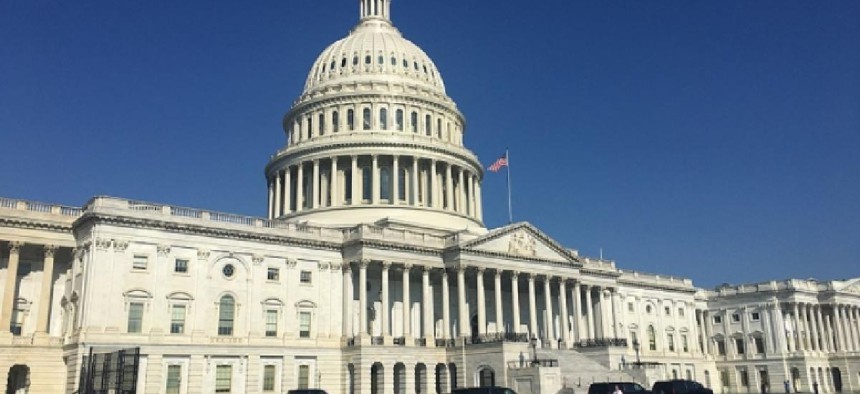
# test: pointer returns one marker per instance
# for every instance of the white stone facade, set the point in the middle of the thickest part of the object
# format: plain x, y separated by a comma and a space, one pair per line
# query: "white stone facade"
373, 273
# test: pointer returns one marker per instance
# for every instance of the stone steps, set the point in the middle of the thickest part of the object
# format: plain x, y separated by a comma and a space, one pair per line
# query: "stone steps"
579, 371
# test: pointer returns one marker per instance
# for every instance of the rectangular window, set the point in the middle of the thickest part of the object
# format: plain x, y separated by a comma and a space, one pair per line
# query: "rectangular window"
630, 307
684, 345
304, 324
739, 344
135, 316
271, 323
223, 378
736, 318
745, 378
305, 277
139, 262
718, 319
670, 341
269, 378
174, 379
180, 266
273, 274
721, 347
304, 376
681, 312
759, 345
668, 311
755, 316
177, 319
724, 378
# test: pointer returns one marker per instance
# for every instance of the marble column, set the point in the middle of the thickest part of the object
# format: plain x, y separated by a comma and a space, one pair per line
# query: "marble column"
769, 338
547, 292
480, 204
427, 304
449, 188
362, 296
460, 192
463, 309
347, 300
407, 303
334, 194
515, 301
794, 340
482, 301
275, 196
355, 181
822, 333
855, 327
395, 180
386, 321
300, 187
533, 325
9, 289
500, 322
446, 305
471, 206
831, 338
563, 320
577, 312
433, 194
589, 311
45, 295
315, 185
374, 195
413, 194
284, 206
810, 313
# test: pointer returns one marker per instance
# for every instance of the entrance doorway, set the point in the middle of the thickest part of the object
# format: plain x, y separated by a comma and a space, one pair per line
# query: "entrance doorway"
837, 379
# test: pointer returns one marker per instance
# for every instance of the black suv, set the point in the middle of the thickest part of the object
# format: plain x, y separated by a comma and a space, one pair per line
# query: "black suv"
680, 387
483, 390
609, 388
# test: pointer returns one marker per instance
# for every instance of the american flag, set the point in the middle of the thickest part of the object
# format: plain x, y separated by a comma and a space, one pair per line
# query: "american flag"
499, 163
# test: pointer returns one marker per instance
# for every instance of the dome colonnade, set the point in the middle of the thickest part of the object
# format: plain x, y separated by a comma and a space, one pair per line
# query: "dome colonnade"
375, 133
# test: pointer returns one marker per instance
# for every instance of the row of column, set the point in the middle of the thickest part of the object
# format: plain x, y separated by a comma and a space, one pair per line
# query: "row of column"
586, 323
793, 327
823, 327
393, 180
10, 288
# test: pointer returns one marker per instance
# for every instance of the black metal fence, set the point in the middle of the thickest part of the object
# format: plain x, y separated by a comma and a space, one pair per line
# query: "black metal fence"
110, 372
601, 342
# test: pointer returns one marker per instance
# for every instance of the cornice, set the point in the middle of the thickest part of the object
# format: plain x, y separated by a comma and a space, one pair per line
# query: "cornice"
279, 160
34, 225
395, 246
510, 256
204, 231
346, 98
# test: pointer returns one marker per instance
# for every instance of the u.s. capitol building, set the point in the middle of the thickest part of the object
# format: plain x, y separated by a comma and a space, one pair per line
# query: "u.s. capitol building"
374, 273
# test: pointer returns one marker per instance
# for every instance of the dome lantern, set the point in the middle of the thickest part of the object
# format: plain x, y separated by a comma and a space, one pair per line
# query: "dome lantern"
376, 9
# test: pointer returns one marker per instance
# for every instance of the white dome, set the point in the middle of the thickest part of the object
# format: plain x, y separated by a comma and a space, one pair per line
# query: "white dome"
374, 51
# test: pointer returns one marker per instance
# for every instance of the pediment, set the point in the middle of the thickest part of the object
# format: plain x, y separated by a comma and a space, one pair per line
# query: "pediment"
520, 240
850, 286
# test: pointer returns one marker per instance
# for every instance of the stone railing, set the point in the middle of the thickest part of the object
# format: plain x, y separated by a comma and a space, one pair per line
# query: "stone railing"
497, 338
536, 363
656, 279
365, 231
600, 342
35, 206
205, 217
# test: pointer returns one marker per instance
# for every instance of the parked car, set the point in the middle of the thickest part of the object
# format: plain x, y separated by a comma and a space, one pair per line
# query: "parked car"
483, 390
680, 386
609, 388
307, 391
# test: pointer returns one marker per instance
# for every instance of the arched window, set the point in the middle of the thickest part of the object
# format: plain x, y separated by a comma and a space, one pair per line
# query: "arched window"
321, 122
385, 183
486, 377
428, 125
355, 60
383, 118
398, 119
350, 119
347, 182
367, 59
393, 61
413, 122
652, 338
342, 62
366, 119
335, 122
380, 59
226, 313
310, 130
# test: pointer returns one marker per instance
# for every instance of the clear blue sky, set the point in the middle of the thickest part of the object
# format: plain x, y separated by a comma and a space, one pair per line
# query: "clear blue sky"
717, 140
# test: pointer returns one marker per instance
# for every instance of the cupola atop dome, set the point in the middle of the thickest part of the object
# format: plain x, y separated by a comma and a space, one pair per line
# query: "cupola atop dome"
376, 9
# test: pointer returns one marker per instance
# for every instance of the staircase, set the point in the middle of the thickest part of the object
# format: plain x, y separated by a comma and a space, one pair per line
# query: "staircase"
578, 371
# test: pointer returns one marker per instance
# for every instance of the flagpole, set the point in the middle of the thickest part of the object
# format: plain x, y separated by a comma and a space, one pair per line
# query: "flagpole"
510, 211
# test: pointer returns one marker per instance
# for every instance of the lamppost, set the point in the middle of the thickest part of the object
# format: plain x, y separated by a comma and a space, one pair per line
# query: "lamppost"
636, 348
